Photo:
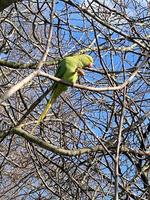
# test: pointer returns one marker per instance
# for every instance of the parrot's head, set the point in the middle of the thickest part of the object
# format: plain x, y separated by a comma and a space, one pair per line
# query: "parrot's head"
86, 60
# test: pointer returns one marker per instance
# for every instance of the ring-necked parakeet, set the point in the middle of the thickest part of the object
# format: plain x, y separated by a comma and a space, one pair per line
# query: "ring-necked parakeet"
68, 69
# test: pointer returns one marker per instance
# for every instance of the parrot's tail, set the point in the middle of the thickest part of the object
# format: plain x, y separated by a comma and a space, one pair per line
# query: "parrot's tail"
44, 113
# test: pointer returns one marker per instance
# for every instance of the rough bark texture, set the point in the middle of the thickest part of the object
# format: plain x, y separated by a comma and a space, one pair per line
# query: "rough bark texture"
4, 4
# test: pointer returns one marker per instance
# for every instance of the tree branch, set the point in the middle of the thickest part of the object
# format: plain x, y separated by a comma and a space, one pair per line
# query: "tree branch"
73, 152
4, 4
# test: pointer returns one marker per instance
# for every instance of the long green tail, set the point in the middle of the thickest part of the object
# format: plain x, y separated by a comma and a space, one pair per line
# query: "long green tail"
44, 113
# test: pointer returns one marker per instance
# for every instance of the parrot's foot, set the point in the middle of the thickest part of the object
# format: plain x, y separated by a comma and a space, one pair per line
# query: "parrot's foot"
80, 72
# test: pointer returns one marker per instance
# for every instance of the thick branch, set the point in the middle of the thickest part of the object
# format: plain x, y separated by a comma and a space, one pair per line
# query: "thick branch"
4, 4
18, 86
73, 152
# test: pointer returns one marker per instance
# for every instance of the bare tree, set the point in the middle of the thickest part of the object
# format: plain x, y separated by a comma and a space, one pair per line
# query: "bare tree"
95, 142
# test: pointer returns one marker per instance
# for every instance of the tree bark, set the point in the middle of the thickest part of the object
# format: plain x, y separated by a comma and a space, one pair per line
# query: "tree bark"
4, 4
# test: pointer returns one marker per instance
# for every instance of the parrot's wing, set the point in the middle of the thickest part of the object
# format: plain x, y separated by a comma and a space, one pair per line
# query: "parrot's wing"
61, 69
60, 72
65, 65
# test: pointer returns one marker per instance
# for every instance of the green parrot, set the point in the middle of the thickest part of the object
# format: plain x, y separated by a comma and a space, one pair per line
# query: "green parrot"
69, 69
